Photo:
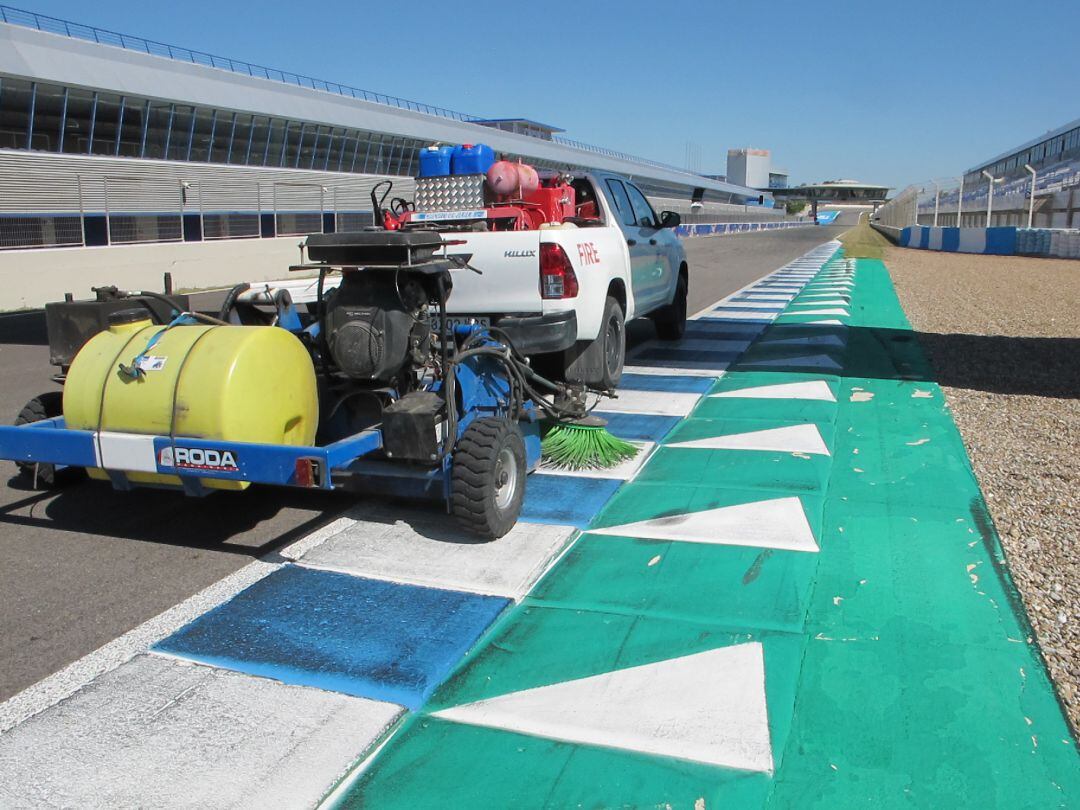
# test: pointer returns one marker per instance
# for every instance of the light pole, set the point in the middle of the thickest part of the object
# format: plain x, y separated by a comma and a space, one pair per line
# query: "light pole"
960, 203
1031, 203
937, 200
990, 194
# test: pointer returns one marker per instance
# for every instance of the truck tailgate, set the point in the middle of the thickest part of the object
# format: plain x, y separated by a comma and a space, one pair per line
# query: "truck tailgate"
509, 279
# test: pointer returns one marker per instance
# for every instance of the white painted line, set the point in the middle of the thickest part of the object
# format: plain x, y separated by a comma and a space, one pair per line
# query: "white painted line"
709, 707
826, 322
156, 732
624, 471
817, 390
663, 403
729, 315
778, 523
682, 371
788, 439
695, 344
425, 547
762, 297
755, 305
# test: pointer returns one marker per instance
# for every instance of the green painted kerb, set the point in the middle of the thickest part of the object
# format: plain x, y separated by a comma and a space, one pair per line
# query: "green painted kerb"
899, 668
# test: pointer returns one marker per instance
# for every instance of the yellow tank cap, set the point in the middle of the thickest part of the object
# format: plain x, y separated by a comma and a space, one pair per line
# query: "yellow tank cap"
124, 321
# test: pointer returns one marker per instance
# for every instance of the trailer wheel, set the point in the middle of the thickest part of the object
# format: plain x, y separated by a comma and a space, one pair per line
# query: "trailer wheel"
487, 481
46, 406
671, 320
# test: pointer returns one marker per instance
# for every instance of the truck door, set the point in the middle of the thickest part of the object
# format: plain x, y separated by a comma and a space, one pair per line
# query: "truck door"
659, 239
643, 256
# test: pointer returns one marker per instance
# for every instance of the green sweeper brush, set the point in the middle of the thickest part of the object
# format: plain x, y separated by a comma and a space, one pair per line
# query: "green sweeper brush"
584, 444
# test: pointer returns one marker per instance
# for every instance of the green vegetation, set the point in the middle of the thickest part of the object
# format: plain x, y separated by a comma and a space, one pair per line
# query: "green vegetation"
794, 206
863, 242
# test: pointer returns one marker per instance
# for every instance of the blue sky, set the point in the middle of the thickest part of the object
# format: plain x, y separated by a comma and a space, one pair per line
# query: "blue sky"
884, 92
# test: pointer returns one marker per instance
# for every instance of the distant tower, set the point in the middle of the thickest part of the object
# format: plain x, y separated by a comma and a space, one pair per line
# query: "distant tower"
749, 167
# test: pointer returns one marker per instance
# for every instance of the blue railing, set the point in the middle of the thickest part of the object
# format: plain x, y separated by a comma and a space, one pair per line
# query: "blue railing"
102, 36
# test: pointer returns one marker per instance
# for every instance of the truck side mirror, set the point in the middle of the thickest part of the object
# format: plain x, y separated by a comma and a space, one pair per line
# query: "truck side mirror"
670, 219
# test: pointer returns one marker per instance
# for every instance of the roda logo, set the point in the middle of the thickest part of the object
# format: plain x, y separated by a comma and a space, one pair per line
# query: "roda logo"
199, 458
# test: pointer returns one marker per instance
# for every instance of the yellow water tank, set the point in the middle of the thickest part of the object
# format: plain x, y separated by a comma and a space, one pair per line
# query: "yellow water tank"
231, 383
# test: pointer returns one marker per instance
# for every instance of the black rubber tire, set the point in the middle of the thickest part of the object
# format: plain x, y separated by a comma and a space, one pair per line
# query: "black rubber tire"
671, 320
474, 477
46, 406
599, 362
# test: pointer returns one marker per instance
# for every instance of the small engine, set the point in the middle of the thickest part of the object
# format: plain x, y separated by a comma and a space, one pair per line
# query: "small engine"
377, 324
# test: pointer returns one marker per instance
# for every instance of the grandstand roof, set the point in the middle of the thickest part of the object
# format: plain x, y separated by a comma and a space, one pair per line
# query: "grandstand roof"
1053, 133
45, 49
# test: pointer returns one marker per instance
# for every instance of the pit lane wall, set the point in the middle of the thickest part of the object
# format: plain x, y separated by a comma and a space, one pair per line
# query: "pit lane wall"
728, 228
999, 241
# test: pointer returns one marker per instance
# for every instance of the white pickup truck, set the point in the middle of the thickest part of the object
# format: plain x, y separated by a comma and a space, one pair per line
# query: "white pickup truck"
566, 290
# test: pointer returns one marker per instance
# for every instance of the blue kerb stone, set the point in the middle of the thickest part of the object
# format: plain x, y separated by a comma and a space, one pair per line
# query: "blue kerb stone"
674, 356
641, 427
363, 637
666, 382
566, 500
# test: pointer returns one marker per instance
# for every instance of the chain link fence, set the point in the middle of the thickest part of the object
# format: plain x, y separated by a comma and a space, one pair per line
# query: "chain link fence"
229, 209
298, 208
139, 210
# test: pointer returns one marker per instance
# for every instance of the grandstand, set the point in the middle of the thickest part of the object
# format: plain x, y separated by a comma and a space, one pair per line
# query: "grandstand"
1055, 157
108, 139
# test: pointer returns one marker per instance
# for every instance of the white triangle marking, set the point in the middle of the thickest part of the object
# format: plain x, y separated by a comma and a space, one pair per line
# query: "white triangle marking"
828, 302
821, 361
789, 439
810, 389
808, 342
775, 523
833, 311
708, 707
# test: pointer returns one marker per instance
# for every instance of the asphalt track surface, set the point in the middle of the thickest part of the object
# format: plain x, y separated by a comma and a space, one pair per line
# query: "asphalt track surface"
82, 566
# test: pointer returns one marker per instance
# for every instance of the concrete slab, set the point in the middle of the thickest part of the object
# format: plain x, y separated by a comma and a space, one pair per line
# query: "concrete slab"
430, 550
157, 732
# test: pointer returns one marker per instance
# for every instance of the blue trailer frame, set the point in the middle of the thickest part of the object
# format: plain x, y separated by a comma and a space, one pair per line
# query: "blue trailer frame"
349, 463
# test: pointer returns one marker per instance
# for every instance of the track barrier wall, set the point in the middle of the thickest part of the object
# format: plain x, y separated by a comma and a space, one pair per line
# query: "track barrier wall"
1000, 241
725, 228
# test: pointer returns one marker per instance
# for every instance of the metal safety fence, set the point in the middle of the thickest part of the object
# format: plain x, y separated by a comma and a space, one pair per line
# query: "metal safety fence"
120, 210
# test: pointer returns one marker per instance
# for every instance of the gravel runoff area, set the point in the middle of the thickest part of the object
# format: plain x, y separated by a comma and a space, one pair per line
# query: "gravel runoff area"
1003, 335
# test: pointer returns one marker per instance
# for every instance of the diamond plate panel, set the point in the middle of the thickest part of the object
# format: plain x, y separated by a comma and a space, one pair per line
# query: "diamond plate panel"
456, 192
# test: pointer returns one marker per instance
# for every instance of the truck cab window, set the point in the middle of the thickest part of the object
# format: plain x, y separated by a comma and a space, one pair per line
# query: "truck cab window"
646, 217
586, 206
621, 202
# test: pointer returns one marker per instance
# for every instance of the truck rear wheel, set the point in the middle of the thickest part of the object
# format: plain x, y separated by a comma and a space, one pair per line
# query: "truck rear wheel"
487, 480
599, 362
46, 406
671, 320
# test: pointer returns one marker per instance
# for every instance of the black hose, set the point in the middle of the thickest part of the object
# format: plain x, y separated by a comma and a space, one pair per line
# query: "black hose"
165, 300
230, 300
